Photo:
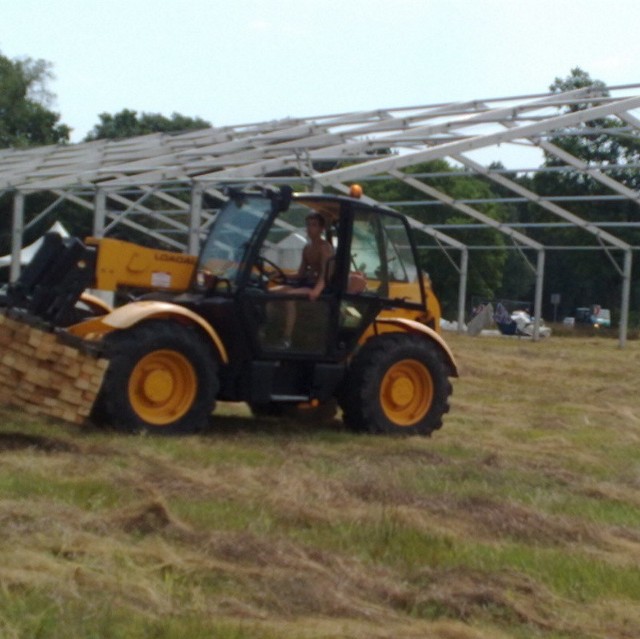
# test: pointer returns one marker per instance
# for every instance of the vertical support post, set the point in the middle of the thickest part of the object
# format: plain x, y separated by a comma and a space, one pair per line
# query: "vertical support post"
195, 218
99, 212
626, 291
537, 306
462, 289
99, 223
16, 235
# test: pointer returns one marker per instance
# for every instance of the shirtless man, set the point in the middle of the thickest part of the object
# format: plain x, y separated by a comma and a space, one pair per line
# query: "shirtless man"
311, 276
315, 257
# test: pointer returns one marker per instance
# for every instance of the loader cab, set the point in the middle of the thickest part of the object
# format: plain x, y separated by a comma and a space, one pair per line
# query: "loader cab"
253, 255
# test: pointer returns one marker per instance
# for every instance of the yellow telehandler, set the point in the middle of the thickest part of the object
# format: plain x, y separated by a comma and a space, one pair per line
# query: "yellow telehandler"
214, 327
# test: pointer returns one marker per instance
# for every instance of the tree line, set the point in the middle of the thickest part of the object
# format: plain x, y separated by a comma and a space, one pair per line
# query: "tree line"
580, 277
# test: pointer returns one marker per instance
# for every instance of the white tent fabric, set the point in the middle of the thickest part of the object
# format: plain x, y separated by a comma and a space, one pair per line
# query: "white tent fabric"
27, 253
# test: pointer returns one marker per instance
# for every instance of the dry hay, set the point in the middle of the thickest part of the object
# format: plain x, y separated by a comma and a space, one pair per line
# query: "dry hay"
13, 441
273, 574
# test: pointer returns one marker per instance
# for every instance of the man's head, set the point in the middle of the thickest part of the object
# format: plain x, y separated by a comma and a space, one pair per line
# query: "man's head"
315, 224
317, 217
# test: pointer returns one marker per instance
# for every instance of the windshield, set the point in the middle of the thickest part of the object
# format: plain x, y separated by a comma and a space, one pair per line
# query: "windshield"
287, 237
224, 253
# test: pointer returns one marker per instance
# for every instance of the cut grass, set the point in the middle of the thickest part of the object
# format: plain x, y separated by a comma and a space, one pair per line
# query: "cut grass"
520, 518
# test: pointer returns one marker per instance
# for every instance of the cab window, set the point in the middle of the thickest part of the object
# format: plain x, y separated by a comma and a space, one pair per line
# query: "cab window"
381, 251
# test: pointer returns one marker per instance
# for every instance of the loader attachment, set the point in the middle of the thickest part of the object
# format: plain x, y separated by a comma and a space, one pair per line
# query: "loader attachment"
42, 372
51, 284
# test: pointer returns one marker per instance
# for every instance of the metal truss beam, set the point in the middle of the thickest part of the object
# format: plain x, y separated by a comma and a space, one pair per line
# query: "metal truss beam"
330, 150
452, 149
549, 206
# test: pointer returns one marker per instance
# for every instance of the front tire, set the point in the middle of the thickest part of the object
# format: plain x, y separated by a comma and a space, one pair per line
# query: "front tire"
161, 379
397, 383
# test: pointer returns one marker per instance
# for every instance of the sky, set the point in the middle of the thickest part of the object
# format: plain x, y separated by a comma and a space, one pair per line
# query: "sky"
233, 62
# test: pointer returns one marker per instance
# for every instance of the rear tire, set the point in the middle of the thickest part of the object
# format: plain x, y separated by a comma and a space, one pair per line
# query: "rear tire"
162, 378
397, 383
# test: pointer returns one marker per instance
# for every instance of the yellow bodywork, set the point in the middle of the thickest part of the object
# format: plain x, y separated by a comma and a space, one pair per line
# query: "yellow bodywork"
130, 314
124, 264
93, 302
410, 292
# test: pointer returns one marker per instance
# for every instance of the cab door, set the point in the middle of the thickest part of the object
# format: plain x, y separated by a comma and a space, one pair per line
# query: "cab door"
383, 273
280, 318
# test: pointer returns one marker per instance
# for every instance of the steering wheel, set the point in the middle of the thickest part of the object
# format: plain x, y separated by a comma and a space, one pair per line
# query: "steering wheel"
275, 275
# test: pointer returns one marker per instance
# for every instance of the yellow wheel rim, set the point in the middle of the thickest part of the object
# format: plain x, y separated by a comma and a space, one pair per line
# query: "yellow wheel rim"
406, 392
162, 387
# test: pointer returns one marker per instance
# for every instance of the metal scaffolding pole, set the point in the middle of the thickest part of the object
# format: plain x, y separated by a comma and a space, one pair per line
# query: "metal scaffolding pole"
626, 290
462, 289
335, 149
100, 213
99, 223
537, 306
195, 217
16, 235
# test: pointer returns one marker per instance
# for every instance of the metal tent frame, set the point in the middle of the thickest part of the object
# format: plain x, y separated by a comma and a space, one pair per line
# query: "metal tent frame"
175, 180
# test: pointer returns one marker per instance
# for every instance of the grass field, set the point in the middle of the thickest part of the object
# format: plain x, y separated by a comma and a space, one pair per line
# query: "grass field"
520, 518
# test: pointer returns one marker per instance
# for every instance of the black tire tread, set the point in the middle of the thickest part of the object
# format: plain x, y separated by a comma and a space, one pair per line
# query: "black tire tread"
128, 346
360, 399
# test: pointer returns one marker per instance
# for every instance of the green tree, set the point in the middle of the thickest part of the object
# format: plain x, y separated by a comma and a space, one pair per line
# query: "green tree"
594, 140
25, 119
128, 123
